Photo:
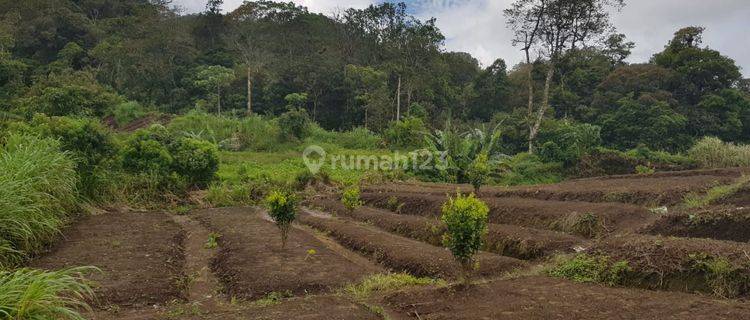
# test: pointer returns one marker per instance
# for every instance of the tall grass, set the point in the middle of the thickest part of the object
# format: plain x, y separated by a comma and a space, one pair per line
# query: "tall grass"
36, 294
251, 133
711, 152
37, 190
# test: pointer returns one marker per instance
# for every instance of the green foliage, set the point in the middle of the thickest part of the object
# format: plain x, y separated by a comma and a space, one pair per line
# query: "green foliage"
295, 124
145, 152
36, 294
128, 112
567, 142
647, 120
525, 168
66, 94
357, 138
724, 278
465, 218
350, 198
37, 195
711, 152
592, 268
478, 171
406, 133
641, 169
454, 153
282, 207
196, 160
716, 194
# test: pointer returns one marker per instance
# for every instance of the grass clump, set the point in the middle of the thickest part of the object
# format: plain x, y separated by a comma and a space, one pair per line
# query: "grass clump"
585, 224
386, 283
350, 198
722, 277
592, 268
36, 294
715, 194
282, 208
37, 194
711, 152
272, 298
465, 218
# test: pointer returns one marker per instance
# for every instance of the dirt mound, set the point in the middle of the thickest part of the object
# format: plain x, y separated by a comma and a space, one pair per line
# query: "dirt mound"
721, 223
740, 199
404, 254
547, 298
506, 240
139, 254
576, 217
681, 264
251, 264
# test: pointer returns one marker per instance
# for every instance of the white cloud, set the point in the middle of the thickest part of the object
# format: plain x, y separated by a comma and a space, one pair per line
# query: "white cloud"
478, 26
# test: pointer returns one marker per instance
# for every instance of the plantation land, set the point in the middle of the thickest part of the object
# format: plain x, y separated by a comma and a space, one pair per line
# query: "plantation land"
549, 254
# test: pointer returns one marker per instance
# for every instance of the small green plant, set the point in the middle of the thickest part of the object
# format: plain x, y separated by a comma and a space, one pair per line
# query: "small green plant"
350, 198
394, 204
272, 298
478, 171
465, 218
213, 240
641, 169
310, 253
282, 208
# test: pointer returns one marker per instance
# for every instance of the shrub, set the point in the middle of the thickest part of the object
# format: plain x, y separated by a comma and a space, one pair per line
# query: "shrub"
406, 133
465, 218
197, 160
350, 198
711, 152
641, 169
144, 152
37, 192
525, 168
36, 294
590, 268
127, 112
478, 171
282, 208
294, 124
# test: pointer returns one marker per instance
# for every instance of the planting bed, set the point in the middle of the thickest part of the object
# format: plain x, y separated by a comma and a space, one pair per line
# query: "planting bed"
532, 213
251, 263
507, 240
139, 254
548, 298
404, 254
721, 223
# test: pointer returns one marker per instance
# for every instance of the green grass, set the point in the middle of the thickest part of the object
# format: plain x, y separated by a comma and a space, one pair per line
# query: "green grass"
715, 194
37, 193
591, 268
36, 294
386, 283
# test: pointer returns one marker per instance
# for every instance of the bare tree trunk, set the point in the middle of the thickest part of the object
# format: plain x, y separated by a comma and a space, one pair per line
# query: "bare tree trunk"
398, 100
218, 99
249, 92
545, 104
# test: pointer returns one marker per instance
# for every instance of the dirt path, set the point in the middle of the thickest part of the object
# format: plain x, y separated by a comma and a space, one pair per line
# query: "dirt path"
202, 286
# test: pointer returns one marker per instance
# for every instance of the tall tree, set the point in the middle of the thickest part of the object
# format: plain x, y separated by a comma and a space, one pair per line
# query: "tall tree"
553, 27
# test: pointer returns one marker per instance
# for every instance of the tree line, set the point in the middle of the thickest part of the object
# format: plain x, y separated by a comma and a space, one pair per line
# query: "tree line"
368, 68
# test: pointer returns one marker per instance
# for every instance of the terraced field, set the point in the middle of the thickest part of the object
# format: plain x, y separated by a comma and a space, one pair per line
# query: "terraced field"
227, 263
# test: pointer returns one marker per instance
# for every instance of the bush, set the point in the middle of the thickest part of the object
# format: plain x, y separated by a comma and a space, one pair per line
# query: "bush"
711, 152
294, 124
406, 133
36, 294
197, 160
37, 193
478, 171
525, 168
250, 133
282, 208
588, 268
145, 152
465, 218
127, 112
567, 142
350, 198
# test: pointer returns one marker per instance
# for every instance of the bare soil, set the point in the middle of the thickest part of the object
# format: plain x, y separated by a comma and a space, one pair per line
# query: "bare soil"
507, 240
530, 213
139, 254
251, 263
547, 298
403, 254
721, 223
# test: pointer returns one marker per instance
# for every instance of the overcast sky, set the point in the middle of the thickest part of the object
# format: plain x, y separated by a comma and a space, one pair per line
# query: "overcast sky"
478, 26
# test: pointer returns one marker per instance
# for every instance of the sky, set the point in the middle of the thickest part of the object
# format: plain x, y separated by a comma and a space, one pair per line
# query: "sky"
478, 26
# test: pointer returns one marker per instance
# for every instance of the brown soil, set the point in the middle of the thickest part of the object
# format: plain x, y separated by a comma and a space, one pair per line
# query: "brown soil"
530, 213
663, 188
739, 199
721, 223
251, 263
548, 298
139, 255
404, 254
681, 264
507, 240
203, 286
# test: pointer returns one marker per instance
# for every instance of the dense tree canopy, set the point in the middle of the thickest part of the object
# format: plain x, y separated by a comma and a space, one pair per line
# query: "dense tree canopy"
363, 67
